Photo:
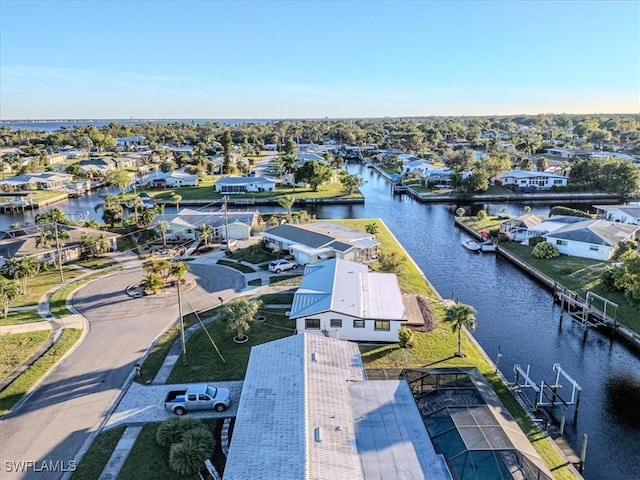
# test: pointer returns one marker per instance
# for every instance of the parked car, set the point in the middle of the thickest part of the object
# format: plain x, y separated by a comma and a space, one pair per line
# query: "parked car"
282, 265
230, 245
197, 397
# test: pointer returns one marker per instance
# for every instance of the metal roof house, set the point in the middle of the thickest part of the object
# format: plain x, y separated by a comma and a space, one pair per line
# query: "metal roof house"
594, 239
184, 225
343, 299
233, 184
620, 213
307, 411
517, 229
317, 241
520, 179
38, 181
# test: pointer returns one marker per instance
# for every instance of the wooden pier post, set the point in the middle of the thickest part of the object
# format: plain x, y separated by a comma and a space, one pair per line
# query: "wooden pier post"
562, 420
583, 452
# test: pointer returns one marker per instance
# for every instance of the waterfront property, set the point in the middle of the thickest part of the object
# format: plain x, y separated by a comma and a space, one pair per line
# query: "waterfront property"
173, 179
517, 229
345, 300
37, 181
619, 213
317, 241
525, 180
185, 224
233, 184
308, 411
590, 238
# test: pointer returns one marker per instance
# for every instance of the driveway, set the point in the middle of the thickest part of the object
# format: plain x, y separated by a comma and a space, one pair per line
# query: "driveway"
56, 420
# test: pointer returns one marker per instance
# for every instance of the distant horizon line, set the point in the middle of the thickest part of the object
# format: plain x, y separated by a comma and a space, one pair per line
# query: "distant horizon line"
98, 119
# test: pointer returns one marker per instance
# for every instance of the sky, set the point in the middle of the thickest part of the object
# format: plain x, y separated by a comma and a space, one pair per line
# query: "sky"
306, 59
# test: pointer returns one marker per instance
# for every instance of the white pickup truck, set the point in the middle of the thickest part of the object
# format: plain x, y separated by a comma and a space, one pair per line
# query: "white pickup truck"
197, 397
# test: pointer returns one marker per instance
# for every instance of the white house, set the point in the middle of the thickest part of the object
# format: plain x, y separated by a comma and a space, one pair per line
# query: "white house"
550, 225
307, 411
417, 166
184, 225
317, 241
516, 229
343, 299
233, 184
174, 179
594, 239
520, 179
620, 213
38, 181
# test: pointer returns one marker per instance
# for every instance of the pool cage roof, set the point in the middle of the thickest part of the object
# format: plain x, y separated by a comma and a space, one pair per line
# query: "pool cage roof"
469, 425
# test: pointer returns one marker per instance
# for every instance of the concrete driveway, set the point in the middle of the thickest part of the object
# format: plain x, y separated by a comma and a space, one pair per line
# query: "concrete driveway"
52, 425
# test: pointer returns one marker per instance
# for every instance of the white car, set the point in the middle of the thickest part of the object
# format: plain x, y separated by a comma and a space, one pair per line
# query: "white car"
231, 244
281, 265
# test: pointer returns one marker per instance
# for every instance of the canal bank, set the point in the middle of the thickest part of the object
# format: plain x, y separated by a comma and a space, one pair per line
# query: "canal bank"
563, 295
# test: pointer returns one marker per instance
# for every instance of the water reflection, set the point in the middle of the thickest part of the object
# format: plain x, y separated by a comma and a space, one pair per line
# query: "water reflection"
622, 400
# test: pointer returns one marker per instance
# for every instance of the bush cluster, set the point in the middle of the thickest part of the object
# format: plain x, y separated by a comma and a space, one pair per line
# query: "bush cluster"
189, 441
544, 250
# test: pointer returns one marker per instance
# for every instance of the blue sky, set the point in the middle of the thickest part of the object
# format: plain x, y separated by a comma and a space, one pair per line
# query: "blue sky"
295, 59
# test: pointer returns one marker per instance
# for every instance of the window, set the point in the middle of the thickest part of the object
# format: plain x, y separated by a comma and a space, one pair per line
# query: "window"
192, 397
312, 324
358, 324
383, 325
562, 242
593, 248
336, 323
203, 397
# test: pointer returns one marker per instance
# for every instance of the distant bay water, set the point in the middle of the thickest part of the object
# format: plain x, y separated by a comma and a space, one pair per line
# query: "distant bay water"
55, 125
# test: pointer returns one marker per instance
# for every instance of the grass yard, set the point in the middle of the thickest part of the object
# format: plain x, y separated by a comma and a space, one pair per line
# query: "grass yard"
580, 275
277, 298
16, 348
21, 316
253, 254
21, 385
96, 458
47, 196
492, 222
285, 280
204, 364
42, 283
149, 461
237, 266
96, 263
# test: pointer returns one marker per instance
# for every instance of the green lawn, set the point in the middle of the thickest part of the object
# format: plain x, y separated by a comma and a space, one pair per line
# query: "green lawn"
205, 192
96, 263
47, 196
16, 348
253, 254
277, 298
14, 392
149, 461
579, 275
237, 266
286, 280
96, 458
42, 283
21, 316
204, 364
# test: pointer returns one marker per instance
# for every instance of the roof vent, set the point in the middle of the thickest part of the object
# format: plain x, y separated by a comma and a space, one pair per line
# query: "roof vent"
316, 435
314, 358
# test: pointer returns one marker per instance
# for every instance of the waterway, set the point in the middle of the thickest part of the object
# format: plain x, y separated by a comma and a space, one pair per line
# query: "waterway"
515, 317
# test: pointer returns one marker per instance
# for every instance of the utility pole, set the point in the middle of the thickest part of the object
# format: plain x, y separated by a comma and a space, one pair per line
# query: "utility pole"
55, 227
226, 224
184, 342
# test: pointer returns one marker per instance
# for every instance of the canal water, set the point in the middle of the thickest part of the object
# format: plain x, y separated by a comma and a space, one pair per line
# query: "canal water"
515, 317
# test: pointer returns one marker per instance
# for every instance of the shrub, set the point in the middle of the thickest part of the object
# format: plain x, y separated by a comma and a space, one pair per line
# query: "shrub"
535, 241
572, 212
482, 215
460, 212
404, 336
202, 436
173, 429
186, 458
624, 247
544, 250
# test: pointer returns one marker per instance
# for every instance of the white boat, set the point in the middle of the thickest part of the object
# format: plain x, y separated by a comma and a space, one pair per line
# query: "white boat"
488, 246
471, 245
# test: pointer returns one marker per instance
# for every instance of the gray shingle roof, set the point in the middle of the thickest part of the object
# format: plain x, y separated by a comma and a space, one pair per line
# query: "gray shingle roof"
294, 234
596, 232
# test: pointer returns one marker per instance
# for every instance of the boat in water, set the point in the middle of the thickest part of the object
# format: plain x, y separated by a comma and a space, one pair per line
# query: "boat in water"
472, 245
488, 246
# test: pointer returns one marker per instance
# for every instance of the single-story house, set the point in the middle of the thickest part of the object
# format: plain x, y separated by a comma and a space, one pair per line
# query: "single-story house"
100, 165
38, 181
307, 411
184, 225
520, 179
551, 225
304, 157
317, 241
234, 184
619, 213
29, 245
130, 141
417, 166
517, 229
174, 179
596, 239
441, 177
343, 299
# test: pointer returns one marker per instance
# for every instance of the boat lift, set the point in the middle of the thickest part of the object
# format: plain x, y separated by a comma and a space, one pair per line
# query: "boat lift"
546, 394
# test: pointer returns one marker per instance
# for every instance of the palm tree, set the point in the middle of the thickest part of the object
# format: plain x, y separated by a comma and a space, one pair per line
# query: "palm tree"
136, 204
152, 283
206, 232
102, 244
8, 291
240, 314
87, 243
176, 198
45, 239
287, 201
111, 209
460, 315
179, 270
22, 269
163, 227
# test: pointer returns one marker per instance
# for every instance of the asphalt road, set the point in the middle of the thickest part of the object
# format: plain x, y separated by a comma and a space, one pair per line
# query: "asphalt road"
51, 427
